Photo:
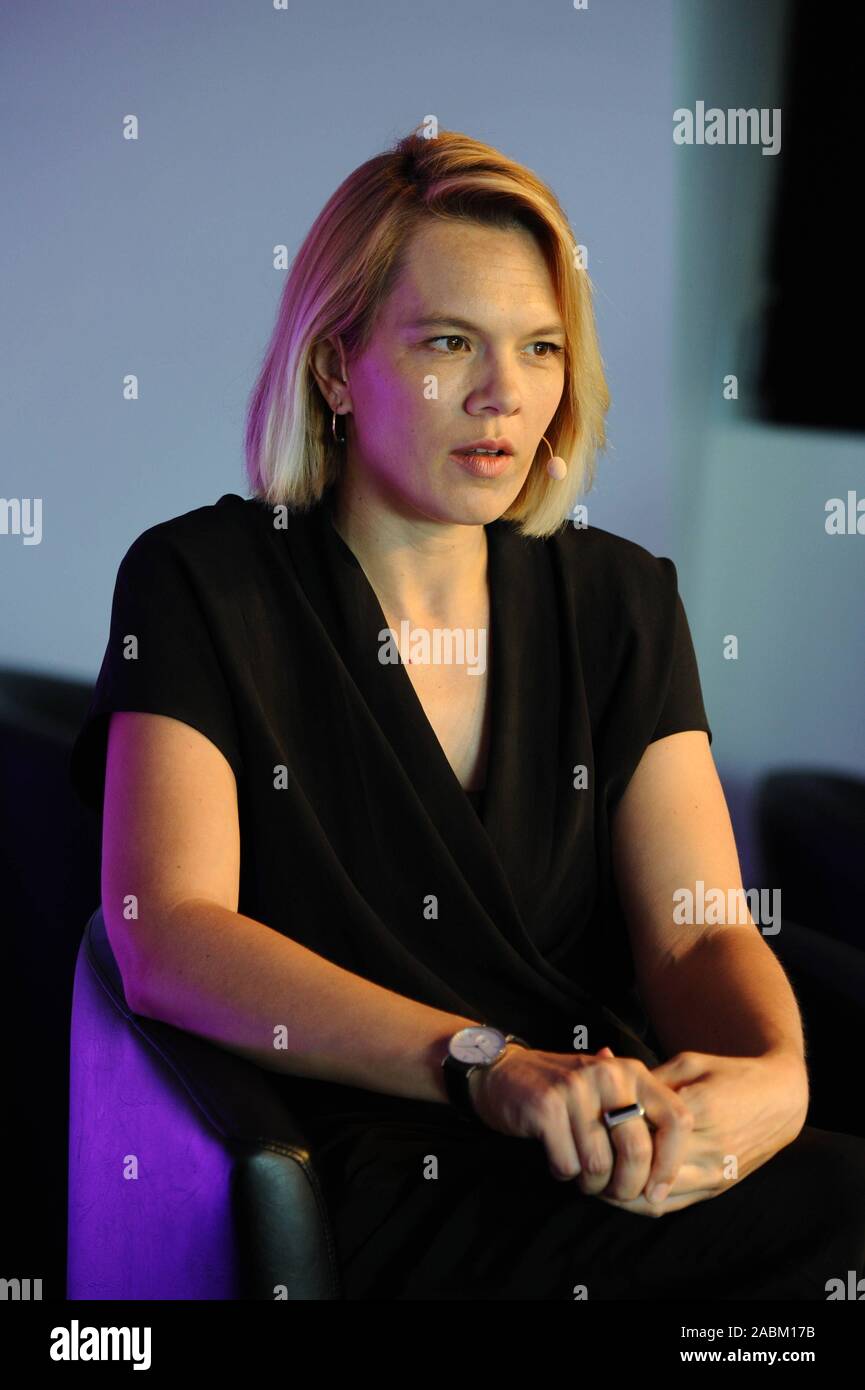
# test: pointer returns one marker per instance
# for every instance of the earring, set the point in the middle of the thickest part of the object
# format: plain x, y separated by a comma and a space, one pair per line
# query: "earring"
333, 430
556, 466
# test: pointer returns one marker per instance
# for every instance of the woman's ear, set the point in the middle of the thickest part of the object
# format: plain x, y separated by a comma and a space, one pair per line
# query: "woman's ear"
327, 364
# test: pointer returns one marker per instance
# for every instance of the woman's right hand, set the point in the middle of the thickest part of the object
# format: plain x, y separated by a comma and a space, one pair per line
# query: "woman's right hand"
559, 1099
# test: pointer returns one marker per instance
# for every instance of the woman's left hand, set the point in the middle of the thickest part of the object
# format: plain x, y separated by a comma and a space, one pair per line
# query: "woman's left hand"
745, 1110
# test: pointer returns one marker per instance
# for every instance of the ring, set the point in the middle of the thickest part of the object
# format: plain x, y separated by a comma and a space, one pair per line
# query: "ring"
623, 1113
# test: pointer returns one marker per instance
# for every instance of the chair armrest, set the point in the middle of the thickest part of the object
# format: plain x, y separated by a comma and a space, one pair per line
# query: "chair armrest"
188, 1175
828, 961
810, 826
238, 1098
828, 978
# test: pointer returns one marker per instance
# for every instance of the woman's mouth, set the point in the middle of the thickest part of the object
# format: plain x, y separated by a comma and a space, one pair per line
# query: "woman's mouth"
483, 463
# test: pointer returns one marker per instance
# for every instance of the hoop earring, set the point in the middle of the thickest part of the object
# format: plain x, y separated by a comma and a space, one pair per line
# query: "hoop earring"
556, 466
333, 430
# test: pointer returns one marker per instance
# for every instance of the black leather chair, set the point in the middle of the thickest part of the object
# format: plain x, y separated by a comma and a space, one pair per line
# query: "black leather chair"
188, 1176
811, 834
810, 837
828, 979
226, 1202
49, 860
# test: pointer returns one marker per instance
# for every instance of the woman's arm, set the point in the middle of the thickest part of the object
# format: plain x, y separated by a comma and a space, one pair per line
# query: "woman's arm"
170, 885
728, 995
715, 993
716, 988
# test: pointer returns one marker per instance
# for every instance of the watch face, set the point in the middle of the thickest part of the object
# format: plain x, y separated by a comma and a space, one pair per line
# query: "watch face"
477, 1046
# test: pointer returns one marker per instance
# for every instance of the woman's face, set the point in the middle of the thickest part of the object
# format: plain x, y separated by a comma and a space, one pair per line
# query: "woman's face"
468, 346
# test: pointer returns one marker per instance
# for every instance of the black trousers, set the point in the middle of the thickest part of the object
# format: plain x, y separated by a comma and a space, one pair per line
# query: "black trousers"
438, 1207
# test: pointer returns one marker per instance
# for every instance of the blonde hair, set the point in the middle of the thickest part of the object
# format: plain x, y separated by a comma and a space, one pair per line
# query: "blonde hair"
346, 268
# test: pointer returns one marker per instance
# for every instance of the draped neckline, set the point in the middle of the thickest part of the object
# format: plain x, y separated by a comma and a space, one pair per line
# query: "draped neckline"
476, 796
505, 846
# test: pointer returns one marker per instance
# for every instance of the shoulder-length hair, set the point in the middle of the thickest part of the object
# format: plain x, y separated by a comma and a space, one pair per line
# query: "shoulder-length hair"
344, 272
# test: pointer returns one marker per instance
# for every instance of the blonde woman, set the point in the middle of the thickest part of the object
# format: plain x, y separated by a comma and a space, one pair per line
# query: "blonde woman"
404, 769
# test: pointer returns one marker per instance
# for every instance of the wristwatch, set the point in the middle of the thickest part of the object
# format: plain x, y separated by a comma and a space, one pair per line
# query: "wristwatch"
478, 1046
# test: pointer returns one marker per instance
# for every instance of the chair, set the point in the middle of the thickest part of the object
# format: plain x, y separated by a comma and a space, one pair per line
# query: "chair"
828, 979
188, 1176
811, 831
226, 1203
49, 859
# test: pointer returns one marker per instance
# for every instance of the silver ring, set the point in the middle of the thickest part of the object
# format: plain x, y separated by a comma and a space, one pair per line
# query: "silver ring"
623, 1113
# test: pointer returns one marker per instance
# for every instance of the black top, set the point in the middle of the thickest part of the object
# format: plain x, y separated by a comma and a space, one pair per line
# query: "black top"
476, 797
260, 628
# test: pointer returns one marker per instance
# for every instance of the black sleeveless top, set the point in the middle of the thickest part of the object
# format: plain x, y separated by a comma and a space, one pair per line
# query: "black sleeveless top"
259, 628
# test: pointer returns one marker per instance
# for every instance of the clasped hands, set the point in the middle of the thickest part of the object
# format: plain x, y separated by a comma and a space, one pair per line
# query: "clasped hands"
740, 1112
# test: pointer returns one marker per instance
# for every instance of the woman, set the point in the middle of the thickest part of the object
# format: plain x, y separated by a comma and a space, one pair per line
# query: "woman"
396, 751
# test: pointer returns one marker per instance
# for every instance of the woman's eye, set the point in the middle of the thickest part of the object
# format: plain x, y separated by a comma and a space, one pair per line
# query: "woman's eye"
554, 346
448, 338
